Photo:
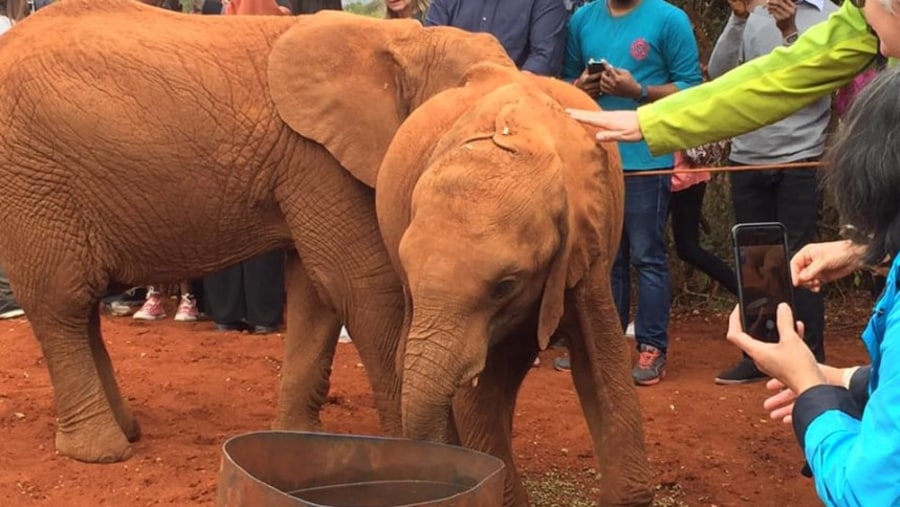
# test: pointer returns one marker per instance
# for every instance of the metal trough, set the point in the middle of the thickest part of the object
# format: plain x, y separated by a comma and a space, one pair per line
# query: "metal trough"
286, 468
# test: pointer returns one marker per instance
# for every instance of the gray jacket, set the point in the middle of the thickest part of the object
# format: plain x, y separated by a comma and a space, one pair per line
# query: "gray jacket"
797, 137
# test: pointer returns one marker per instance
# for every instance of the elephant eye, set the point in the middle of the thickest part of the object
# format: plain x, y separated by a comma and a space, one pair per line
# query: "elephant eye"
503, 289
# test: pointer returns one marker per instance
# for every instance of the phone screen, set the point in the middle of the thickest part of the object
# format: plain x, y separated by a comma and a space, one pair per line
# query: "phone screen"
764, 276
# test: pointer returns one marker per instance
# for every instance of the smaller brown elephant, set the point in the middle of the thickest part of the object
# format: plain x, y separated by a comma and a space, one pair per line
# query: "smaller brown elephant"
502, 217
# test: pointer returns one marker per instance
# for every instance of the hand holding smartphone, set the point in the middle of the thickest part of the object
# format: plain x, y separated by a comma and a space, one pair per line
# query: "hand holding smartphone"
763, 276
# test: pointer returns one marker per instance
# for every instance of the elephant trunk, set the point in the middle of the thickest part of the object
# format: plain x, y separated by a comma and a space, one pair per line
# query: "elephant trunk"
435, 365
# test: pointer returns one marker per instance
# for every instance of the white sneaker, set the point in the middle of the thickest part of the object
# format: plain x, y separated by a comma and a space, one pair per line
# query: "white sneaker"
629, 331
187, 309
152, 309
12, 314
345, 336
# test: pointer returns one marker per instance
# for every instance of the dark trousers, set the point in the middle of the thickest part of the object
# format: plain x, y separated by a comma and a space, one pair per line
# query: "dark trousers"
6, 296
791, 197
251, 291
686, 207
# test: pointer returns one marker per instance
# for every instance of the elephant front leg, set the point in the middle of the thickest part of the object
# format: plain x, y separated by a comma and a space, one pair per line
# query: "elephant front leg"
601, 370
309, 346
484, 414
376, 333
104, 367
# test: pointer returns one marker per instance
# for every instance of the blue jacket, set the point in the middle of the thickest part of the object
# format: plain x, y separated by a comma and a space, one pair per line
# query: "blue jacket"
851, 438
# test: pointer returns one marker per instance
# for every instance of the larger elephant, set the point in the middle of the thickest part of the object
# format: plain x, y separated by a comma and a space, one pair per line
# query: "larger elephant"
144, 145
503, 217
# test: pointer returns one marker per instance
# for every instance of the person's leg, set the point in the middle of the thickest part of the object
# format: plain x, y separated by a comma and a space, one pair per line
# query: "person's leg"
264, 290
799, 198
646, 210
621, 277
686, 207
9, 308
197, 290
754, 199
225, 298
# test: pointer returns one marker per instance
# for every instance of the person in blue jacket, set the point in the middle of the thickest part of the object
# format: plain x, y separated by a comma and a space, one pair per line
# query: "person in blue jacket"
847, 420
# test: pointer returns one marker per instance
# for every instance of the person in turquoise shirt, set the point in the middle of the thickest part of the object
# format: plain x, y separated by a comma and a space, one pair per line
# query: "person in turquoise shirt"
650, 52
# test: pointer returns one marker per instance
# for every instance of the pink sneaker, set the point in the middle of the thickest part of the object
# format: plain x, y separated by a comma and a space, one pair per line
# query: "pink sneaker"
187, 309
152, 309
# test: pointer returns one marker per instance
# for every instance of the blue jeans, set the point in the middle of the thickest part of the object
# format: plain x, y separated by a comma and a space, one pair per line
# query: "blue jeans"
643, 246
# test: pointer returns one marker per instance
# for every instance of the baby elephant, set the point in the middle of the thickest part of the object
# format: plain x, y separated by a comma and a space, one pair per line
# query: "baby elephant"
502, 217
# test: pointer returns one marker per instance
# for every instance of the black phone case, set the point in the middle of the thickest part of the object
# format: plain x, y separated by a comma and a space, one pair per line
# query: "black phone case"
737, 231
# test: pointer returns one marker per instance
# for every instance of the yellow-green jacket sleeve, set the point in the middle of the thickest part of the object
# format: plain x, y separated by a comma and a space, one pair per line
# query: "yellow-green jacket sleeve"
764, 90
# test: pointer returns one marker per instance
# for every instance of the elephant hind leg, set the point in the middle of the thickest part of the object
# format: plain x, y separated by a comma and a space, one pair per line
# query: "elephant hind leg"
120, 409
87, 427
309, 346
54, 288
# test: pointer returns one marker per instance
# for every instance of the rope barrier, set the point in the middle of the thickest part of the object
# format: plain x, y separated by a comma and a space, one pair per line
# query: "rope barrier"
728, 169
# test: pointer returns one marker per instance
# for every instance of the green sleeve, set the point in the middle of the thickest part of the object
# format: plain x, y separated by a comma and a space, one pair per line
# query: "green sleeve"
766, 89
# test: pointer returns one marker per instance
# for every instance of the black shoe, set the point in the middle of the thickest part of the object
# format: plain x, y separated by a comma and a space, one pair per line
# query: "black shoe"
562, 364
265, 329
741, 373
234, 326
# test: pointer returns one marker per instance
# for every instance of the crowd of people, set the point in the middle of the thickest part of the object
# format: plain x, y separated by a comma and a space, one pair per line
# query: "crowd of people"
769, 89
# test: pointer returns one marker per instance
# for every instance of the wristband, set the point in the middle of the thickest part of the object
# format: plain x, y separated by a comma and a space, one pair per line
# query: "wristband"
642, 97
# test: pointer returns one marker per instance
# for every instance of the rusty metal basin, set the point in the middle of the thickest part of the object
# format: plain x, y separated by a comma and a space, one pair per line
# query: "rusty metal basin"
288, 468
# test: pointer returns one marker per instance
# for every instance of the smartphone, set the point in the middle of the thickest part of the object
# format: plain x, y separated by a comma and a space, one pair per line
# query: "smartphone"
763, 276
596, 67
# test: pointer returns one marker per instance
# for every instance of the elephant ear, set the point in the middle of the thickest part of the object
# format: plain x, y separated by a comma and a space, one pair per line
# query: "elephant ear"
334, 80
591, 223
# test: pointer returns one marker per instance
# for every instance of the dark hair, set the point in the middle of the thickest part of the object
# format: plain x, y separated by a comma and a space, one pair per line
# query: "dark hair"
863, 171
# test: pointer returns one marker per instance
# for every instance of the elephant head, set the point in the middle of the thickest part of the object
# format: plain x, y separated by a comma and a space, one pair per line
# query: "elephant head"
367, 77
494, 204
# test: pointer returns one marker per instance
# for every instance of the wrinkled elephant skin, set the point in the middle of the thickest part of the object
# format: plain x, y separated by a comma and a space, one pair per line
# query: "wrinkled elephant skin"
502, 217
144, 146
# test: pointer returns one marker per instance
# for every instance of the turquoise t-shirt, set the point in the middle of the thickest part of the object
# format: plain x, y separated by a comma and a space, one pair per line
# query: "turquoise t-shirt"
654, 42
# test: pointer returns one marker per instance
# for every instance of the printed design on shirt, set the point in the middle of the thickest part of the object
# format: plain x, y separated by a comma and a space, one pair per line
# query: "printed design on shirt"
640, 49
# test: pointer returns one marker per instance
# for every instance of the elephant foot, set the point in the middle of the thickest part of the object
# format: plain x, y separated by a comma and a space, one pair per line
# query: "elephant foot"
95, 444
515, 497
645, 500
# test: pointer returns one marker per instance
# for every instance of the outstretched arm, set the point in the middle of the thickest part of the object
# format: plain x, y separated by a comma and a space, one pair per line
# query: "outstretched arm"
758, 93
764, 90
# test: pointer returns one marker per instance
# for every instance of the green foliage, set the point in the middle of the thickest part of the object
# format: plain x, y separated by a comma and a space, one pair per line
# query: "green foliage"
372, 8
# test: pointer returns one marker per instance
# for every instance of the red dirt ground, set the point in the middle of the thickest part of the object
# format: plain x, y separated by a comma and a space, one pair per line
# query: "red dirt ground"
192, 387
